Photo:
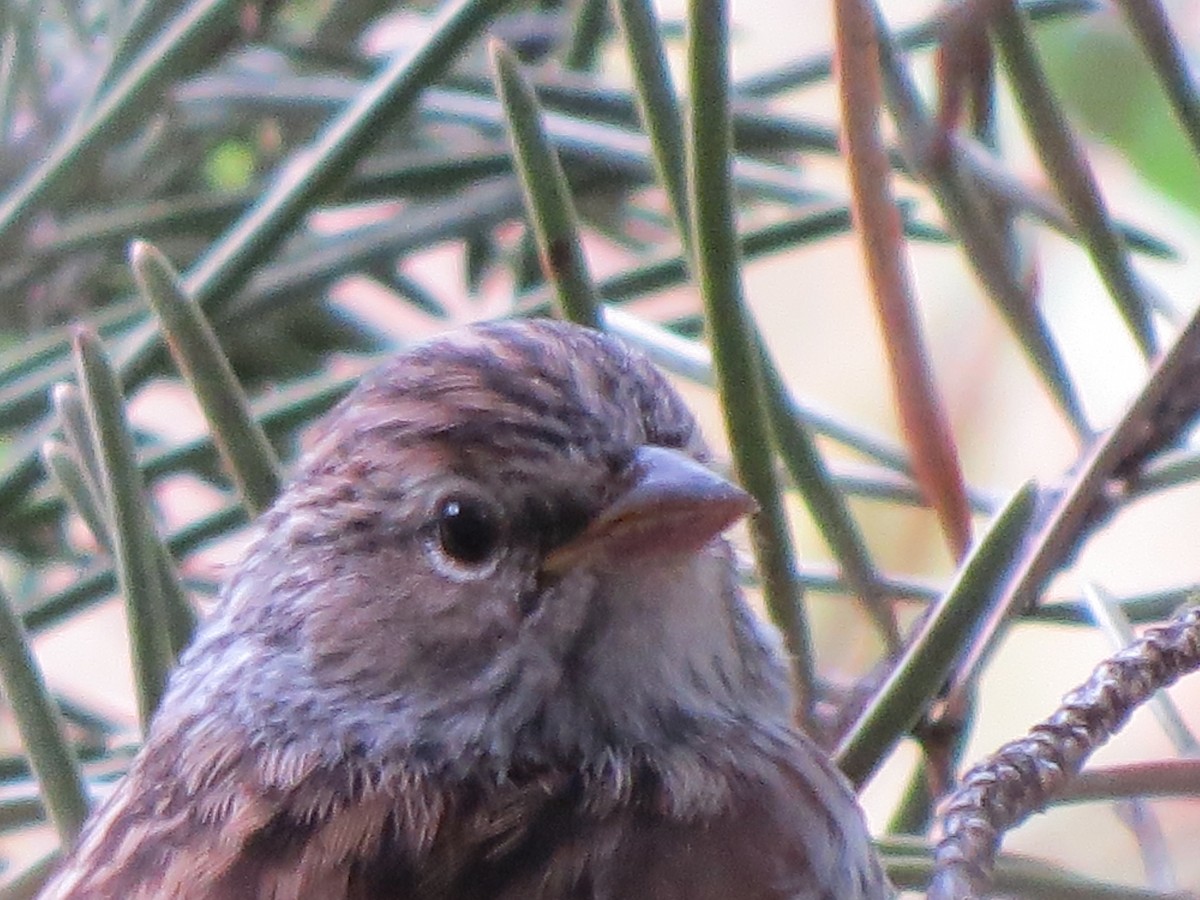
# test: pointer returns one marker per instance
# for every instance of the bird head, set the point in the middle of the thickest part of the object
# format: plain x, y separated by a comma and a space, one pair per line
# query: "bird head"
505, 544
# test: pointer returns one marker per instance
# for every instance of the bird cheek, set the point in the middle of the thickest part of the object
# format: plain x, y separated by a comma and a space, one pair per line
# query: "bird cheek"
556, 606
529, 601
536, 593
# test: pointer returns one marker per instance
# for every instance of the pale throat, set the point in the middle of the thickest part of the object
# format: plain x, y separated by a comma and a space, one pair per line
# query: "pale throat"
676, 640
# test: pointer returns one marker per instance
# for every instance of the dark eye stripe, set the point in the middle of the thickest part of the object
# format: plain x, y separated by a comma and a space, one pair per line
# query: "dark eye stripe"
548, 522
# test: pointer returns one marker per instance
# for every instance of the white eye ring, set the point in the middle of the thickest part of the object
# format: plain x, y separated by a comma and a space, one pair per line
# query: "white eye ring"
465, 540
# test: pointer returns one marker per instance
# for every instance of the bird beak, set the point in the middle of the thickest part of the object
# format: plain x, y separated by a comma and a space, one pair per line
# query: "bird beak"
672, 505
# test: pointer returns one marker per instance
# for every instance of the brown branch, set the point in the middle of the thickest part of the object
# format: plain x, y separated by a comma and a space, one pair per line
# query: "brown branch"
923, 418
1020, 778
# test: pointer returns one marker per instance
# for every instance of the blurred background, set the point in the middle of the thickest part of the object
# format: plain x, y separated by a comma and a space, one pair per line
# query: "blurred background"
210, 129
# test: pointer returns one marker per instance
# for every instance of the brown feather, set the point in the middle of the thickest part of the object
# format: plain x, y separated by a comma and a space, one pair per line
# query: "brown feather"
368, 716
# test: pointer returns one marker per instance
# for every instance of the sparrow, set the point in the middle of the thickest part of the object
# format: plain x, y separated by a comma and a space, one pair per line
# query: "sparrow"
488, 644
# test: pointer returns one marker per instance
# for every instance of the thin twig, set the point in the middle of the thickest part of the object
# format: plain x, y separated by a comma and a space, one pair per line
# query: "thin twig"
1020, 778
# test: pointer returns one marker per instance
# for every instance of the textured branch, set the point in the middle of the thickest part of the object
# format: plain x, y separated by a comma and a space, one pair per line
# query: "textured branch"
1023, 775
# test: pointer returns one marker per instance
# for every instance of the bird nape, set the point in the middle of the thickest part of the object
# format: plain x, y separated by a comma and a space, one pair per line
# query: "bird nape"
487, 644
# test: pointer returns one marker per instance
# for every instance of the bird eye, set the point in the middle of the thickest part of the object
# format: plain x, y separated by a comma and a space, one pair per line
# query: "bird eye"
468, 530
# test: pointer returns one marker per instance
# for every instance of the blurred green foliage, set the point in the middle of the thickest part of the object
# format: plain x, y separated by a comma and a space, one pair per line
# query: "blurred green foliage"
1104, 80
